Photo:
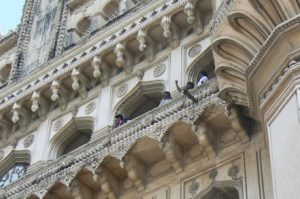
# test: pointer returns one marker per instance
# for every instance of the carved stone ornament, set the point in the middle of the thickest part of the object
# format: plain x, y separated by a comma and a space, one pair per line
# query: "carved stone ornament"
233, 171
28, 141
159, 70
1, 154
58, 124
90, 107
122, 90
195, 50
193, 188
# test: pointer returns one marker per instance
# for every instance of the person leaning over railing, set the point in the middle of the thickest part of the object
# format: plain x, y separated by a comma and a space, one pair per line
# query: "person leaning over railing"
185, 90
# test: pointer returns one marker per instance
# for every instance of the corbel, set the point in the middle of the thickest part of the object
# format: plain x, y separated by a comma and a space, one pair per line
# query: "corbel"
59, 94
206, 138
136, 171
101, 70
170, 31
80, 82
193, 17
146, 45
238, 125
39, 104
173, 153
124, 58
108, 182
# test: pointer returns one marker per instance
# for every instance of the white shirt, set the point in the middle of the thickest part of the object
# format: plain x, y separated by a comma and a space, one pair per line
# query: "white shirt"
202, 80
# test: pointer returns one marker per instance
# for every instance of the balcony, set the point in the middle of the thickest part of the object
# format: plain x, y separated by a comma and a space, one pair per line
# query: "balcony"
157, 123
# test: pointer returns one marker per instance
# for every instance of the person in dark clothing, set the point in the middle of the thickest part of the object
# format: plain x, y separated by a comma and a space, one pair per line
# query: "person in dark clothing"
185, 90
118, 121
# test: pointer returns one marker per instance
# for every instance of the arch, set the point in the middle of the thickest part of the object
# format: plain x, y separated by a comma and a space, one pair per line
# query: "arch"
66, 139
15, 158
203, 62
109, 8
142, 98
57, 190
83, 26
228, 189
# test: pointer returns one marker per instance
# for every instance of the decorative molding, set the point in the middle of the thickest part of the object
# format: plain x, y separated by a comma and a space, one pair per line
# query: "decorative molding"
90, 107
102, 46
195, 50
117, 143
122, 90
159, 70
58, 124
28, 141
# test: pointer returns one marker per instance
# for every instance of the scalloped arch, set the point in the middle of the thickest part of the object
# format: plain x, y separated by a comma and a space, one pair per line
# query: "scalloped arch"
221, 185
129, 102
78, 123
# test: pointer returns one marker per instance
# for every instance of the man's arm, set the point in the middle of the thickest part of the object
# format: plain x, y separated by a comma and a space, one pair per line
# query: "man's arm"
178, 88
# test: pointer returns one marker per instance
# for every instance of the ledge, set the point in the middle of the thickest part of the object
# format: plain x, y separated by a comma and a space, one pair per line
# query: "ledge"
154, 123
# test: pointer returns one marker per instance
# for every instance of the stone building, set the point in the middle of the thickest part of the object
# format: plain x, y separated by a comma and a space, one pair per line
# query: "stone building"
73, 65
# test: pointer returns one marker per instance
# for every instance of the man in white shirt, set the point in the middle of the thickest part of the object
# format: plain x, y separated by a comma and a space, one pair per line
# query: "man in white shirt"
203, 78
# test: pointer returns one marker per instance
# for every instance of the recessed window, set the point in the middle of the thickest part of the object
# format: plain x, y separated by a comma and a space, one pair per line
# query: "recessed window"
13, 174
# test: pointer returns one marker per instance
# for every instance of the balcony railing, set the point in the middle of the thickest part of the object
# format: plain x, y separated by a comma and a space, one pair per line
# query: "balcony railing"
117, 142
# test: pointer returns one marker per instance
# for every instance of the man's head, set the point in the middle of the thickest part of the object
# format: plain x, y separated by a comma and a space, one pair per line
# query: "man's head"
118, 119
203, 73
189, 85
167, 95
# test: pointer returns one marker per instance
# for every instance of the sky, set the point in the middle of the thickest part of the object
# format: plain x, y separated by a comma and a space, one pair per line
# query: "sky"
10, 14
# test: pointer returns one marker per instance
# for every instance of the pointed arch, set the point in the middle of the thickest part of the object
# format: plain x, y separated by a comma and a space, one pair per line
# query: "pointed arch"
204, 62
14, 166
228, 189
142, 98
80, 127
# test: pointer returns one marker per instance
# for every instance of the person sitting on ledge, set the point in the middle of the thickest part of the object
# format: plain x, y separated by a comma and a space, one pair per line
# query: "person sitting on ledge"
203, 78
118, 121
185, 90
167, 97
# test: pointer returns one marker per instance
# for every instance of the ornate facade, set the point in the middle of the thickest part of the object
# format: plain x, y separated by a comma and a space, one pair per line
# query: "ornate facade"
72, 65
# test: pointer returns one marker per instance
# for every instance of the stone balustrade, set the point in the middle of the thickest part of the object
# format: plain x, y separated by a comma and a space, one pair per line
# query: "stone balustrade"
116, 143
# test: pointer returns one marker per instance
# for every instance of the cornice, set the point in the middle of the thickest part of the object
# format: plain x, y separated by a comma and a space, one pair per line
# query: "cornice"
116, 143
19, 91
258, 58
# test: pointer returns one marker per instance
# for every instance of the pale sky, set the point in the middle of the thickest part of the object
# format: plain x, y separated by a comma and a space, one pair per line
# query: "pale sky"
10, 14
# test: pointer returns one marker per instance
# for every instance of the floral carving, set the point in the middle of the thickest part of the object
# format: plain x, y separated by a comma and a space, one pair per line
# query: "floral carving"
90, 107
58, 124
122, 90
193, 188
195, 50
159, 70
28, 141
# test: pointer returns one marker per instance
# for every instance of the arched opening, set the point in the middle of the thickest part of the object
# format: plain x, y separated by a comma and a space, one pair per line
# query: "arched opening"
204, 63
221, 193
78, 139
76, 133
110, 9
13, 167
222, 190
143, 98
83, 26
